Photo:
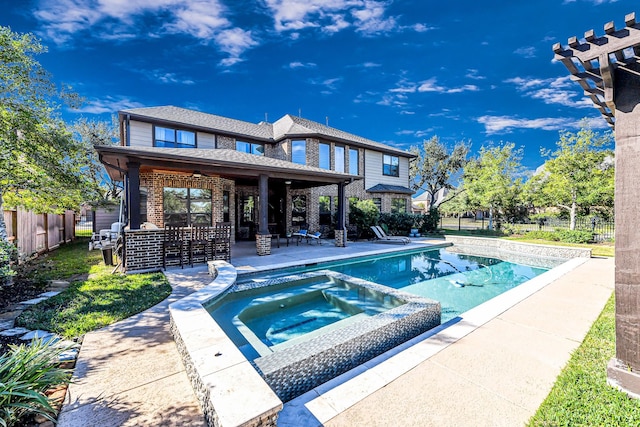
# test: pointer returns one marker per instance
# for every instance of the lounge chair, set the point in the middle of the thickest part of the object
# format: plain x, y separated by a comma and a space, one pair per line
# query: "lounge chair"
315, 236
302, 234
383, 238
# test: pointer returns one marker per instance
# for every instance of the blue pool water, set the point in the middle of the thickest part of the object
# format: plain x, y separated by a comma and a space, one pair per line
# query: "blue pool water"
460, 282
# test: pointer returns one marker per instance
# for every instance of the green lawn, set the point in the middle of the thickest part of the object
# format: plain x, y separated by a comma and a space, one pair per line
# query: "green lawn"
581, 396
89, 303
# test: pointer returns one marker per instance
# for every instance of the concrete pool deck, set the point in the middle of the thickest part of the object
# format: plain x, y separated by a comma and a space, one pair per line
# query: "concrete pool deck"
496, 374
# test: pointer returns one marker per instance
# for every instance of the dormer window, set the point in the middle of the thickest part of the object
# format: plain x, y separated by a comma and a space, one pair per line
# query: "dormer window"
174, 138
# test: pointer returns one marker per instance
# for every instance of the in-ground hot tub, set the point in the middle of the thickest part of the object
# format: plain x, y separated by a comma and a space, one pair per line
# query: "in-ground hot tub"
301, 331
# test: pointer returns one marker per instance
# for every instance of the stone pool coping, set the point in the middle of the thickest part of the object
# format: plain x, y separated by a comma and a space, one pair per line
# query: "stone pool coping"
230, 391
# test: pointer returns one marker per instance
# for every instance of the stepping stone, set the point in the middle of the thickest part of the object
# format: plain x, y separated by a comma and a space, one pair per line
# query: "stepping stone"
60, 343
6, 324
13, 332
32, 301
10, 315
49, 294
58, 283
38, 333
68, 355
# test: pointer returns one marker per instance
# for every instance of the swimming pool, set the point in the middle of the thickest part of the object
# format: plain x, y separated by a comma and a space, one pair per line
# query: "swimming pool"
458, 281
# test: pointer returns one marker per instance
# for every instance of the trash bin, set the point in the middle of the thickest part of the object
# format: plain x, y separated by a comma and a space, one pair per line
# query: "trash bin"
107, 255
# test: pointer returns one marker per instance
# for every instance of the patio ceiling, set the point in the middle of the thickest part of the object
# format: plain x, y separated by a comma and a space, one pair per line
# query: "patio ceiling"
226, 163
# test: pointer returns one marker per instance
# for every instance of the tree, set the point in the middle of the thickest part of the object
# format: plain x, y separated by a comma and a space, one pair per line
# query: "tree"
96, 132
493, 179
42, 167
434, 166
579, 174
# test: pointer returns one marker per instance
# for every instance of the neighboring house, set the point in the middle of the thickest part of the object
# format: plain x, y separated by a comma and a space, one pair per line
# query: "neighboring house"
185, 166
420, 204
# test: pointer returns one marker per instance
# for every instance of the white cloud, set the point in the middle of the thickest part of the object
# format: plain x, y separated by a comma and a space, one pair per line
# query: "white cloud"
559, 90
167, 78
505, 124
330, 16
64, 20
473, 74
431, 86
108, 104
526, 52
298, 64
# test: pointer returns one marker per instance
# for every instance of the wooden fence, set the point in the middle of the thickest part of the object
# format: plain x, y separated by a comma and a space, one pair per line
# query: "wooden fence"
37, 233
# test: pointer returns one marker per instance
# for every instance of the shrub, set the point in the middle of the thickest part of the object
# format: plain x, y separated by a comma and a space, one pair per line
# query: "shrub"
26, 372
363, 214
567, 236
398, 223
429, 222
575, 236
8, 253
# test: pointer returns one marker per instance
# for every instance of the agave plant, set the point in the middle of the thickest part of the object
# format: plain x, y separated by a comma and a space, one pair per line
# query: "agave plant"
26, 372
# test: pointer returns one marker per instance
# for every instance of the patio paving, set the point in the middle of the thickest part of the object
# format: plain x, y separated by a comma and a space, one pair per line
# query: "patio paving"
130, 373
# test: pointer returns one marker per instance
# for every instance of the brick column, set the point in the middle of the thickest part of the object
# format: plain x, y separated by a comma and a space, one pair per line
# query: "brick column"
263, 244
341, 231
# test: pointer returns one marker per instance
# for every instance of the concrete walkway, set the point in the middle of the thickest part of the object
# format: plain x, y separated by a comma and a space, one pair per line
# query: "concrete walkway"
130, 373
499, 374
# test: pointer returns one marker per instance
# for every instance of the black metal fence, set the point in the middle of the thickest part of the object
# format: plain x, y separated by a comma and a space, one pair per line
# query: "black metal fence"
604, 230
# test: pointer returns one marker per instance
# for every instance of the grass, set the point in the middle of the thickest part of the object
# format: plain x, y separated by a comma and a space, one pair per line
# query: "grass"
581, 396
98, 301
66, 262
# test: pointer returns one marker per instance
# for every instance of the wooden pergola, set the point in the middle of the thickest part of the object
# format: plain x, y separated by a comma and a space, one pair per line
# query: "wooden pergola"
608, 69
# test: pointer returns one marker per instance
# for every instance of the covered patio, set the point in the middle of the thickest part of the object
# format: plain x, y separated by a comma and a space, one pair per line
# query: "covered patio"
231, 179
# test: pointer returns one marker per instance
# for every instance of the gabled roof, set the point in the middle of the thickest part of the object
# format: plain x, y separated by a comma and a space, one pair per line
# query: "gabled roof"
222, 162
286, 127
386, 188
171, 114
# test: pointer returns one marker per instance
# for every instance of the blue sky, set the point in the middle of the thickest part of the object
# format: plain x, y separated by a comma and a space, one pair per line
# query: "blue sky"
396, 72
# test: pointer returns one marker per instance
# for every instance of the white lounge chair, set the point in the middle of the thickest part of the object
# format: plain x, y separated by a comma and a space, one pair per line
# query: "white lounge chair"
383, 238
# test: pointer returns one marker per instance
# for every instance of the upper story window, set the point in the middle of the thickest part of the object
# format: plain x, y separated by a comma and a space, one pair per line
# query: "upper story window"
339, 154
354, 164
249, 147
390, 165
324, 156
174, 138
299, 151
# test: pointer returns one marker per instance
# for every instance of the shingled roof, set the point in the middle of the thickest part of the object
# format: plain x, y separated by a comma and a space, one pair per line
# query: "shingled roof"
286, 127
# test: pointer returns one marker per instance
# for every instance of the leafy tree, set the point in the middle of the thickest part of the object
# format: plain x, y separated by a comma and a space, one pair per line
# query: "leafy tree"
435, 165
96, 132
493, 179
42, 167
579, 174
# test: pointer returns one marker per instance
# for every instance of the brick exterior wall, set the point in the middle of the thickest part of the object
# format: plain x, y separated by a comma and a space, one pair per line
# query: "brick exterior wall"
263, 244
156, 181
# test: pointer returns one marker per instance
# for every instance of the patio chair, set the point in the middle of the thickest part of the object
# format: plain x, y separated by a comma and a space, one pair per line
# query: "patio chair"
199, 243
380, 238
172, 244
404, 239
221, 241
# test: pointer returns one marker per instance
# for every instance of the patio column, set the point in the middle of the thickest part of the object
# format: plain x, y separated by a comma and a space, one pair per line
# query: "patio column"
263, 237
614, 88
133, 195
341, 231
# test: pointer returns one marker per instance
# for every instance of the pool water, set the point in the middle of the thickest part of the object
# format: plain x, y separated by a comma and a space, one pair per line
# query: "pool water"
458, 281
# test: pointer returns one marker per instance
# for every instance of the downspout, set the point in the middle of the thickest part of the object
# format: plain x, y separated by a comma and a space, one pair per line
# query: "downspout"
128, 129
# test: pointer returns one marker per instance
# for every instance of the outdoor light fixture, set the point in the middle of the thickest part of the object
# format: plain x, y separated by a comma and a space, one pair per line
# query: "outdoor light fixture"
196, 174
287, 182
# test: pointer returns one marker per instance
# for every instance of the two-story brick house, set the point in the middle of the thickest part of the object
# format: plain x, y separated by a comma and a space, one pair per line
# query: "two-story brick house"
185, 166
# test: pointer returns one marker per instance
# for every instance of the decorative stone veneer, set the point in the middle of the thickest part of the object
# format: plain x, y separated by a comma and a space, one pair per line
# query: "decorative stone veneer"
230, 391
299, 368
341, 238
526, 253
